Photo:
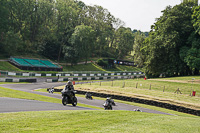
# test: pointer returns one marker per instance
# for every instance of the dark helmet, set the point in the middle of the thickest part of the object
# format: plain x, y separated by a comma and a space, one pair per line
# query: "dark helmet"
69, 83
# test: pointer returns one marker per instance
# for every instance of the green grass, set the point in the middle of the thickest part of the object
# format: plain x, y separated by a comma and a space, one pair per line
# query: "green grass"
96, 121
185, 78
6, 66
128, 68
81, 67
92, 121
5, 92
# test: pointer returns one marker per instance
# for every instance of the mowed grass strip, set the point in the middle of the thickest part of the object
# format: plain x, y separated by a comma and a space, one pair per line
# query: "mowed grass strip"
6, 66
5, 92
96, 121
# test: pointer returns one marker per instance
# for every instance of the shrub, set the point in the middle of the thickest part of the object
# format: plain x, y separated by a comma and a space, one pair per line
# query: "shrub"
101, 62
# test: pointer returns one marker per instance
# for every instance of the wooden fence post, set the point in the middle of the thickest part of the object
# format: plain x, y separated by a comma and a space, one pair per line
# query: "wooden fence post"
150, 87
123, 85
136, 84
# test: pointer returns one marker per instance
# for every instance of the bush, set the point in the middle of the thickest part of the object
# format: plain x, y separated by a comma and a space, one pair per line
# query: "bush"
101, 62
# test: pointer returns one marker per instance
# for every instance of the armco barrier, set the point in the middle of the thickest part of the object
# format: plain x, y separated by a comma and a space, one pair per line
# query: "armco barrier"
143, 101
92, 78
18, 80
72, 74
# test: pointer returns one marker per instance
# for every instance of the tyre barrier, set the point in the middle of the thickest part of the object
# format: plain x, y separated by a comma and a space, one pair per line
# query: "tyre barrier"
142, 101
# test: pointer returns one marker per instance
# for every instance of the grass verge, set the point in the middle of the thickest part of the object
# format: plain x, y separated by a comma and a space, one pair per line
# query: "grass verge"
96, 121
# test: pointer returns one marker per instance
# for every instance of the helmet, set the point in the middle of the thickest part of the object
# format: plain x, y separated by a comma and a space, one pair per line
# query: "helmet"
69, 83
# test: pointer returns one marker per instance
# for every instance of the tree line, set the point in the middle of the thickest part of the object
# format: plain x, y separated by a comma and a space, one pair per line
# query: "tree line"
62, 30
72, 31
173, 45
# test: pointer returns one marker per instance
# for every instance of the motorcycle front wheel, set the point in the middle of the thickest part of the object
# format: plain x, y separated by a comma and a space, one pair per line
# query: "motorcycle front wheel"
64, 101
74, 102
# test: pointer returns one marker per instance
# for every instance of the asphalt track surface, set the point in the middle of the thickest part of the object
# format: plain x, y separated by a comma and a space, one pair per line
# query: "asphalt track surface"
18, 105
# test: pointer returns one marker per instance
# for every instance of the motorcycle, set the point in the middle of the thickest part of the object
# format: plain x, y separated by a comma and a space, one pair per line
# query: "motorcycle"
69, 97
88, 96
137, 110
107, 105
51, 90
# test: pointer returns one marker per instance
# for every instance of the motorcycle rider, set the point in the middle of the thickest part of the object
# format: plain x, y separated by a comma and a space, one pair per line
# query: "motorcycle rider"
108, 99
88, 95
108, 103
69, 87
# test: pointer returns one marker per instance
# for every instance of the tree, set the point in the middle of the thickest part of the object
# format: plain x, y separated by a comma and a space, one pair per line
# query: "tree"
123, 42
4, 22
82, 41
169, 34
101, 21
194, 1
138, 49
191, 54
196, 19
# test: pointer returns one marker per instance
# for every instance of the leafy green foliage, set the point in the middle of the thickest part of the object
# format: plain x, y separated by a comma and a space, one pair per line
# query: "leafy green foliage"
101, 62
138, 49
61, 30
170, 46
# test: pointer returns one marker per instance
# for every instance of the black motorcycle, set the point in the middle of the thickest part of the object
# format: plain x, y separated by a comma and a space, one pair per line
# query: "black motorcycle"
107, 105
68, 97
88, 96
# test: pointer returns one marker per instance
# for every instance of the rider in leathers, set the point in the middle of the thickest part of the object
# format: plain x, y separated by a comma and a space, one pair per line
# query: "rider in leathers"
69, 87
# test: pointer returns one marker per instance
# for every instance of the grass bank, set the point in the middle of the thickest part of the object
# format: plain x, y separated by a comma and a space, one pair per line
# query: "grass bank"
96, 121
6, 66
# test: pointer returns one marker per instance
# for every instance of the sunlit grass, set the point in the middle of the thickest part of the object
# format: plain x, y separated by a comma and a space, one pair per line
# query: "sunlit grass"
96, 121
